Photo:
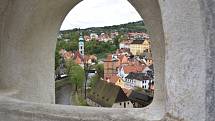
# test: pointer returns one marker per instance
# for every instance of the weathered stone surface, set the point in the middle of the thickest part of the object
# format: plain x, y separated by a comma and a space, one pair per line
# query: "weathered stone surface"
208, 13
185, 61
150, 11
15, 110
28, 40
183, 46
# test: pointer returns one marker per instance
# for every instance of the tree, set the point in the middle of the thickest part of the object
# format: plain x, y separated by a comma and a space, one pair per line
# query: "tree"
116, 41
74, 36
93, 80
57, 59
99, 48
100, 70
75, 74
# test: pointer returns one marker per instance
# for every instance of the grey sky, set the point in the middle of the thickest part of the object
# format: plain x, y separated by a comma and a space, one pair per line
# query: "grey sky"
97, 13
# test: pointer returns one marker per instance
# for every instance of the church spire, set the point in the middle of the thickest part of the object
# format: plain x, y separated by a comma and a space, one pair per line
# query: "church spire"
81, 44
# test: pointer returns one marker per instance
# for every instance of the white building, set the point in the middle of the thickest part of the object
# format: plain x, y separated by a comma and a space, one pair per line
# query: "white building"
81, 45
138, 80
93, 36
125, 44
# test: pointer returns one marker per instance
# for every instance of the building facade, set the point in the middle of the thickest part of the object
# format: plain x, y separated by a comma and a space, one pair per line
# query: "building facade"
111, 64
81, 45
138, 47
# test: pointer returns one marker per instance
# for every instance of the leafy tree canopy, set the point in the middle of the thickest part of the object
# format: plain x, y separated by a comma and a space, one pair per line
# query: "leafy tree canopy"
76, 74
100, 70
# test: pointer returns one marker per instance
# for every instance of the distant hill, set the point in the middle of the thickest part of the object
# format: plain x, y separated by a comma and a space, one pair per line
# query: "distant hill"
122, 28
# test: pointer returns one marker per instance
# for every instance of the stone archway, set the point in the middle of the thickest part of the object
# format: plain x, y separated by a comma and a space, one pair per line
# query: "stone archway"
183, 63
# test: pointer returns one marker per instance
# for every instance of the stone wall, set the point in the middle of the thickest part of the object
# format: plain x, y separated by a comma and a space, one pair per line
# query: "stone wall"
183, 49
28, 40
208, 16
185, 61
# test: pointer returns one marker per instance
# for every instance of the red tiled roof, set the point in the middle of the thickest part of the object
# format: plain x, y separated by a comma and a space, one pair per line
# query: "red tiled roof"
123, 59
109, 58
68, 55
113, 79
86, 58
77, 54
93, 57
137, 33
89, 57
127, 42
78, 57
133, 68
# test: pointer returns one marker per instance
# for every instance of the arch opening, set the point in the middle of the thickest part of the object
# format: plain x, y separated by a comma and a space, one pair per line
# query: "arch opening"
31, 85
28, 29
86, 31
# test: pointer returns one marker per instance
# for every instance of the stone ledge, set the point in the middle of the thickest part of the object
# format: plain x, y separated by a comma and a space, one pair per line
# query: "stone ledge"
12, 109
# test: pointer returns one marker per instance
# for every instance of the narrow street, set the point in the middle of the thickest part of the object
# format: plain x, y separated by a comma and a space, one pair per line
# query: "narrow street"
63, 96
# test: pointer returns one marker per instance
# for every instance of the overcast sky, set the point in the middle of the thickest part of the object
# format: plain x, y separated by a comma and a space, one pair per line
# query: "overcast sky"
98, 13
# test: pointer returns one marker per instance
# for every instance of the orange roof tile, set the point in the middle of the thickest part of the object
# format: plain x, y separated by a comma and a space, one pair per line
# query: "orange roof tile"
109, 58
123, 59
133, 68
78, 57
93, 57
113, 79
68, 55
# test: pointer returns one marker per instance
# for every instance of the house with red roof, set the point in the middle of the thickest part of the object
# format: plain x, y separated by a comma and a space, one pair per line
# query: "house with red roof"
87, 38
78, 58
137, 35
113, 79
104, 37
123, 71
123, 59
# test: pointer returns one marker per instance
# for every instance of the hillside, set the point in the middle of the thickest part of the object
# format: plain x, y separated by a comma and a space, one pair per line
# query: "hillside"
122, 28
68, 39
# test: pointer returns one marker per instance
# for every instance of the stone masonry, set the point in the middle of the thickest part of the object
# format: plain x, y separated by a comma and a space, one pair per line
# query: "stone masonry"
183, 48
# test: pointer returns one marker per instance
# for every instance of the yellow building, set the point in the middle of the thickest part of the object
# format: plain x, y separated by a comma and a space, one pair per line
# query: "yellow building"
137, 47
117, 81
149, 62
120, 83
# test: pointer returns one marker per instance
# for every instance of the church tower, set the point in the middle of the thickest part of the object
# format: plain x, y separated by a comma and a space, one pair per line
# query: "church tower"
81, 45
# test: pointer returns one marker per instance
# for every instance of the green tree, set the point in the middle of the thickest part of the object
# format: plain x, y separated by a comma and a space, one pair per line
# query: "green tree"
57, 59
99, 48
74, 36
100, 70
116, 41
93, 80
73, 45
75, 74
